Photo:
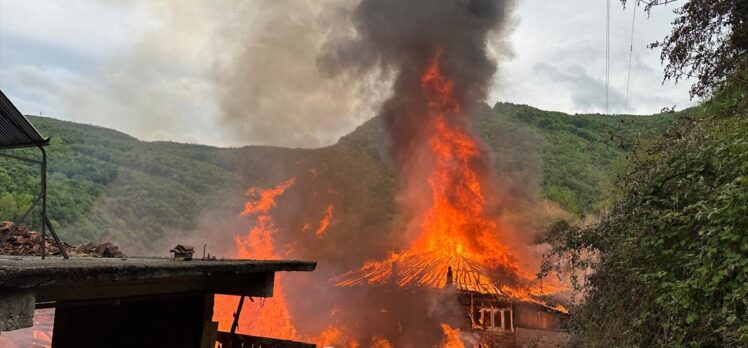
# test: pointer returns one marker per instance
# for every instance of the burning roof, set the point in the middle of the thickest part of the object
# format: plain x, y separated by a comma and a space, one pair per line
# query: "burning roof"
431, 270
427, 269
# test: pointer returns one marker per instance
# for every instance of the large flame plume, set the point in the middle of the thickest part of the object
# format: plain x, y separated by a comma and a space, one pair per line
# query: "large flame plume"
457, 223
456, 230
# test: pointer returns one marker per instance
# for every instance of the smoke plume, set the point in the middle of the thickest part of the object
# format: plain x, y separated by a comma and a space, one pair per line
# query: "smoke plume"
243, 73
270, 89
402, 36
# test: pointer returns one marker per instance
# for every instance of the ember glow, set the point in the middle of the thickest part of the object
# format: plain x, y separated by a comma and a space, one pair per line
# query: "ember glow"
258, 243
325, 222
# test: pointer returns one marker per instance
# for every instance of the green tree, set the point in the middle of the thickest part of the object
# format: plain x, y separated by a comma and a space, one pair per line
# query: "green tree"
709, 41
668, 263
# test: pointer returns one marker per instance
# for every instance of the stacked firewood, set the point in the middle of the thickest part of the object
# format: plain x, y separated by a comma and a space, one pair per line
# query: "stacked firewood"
22, 241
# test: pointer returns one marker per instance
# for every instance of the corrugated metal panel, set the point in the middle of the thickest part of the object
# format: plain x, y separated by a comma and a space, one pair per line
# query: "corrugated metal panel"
15, 129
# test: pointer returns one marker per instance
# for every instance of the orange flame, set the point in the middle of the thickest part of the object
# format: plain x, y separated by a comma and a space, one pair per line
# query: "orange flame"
457, 230
451, 337
457, 222
335, 336
329, 336
380, 342
270, 317
325, 222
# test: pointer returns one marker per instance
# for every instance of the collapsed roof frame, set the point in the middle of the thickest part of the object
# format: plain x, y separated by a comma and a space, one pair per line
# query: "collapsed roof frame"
17, 132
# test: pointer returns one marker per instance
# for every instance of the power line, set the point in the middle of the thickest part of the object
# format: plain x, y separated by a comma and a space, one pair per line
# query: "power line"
631, 54
607, 58
656, 2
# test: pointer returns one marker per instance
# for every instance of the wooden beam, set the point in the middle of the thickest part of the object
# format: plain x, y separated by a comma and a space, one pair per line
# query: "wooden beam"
256, 285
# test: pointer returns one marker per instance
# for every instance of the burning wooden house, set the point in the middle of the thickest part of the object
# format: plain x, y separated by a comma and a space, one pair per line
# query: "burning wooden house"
500, 316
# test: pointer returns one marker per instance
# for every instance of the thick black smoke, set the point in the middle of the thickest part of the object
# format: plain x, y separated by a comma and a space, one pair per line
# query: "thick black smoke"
402, 36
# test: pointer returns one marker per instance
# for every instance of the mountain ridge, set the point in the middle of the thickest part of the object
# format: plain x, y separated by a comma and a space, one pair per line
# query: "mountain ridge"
105, 184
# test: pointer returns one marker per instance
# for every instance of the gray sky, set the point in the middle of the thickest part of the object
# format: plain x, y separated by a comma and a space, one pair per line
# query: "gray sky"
231, 72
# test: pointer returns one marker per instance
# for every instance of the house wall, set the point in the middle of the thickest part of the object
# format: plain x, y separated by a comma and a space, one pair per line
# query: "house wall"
531, 325
535, 317
536, 327
497, 339
539, 338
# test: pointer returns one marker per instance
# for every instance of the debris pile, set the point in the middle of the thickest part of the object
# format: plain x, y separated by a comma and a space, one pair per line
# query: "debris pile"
22, 241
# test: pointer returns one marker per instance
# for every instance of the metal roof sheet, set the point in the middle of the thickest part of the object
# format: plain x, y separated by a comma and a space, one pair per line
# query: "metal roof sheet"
15, 129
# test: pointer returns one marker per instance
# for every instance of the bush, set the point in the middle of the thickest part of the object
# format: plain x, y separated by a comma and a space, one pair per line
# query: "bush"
669, 260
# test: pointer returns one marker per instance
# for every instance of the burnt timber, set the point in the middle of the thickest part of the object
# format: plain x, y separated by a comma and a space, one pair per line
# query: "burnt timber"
144, 302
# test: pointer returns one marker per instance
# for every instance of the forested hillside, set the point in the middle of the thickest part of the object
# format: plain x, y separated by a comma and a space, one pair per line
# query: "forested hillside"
103, 183
675, 235
579, 152
106, 185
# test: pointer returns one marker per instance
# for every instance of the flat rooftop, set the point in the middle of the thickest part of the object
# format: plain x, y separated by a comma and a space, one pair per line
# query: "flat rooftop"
85, 278
159, 302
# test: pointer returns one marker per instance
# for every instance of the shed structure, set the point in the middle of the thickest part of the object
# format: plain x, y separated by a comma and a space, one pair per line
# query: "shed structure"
136, 302
17, 132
